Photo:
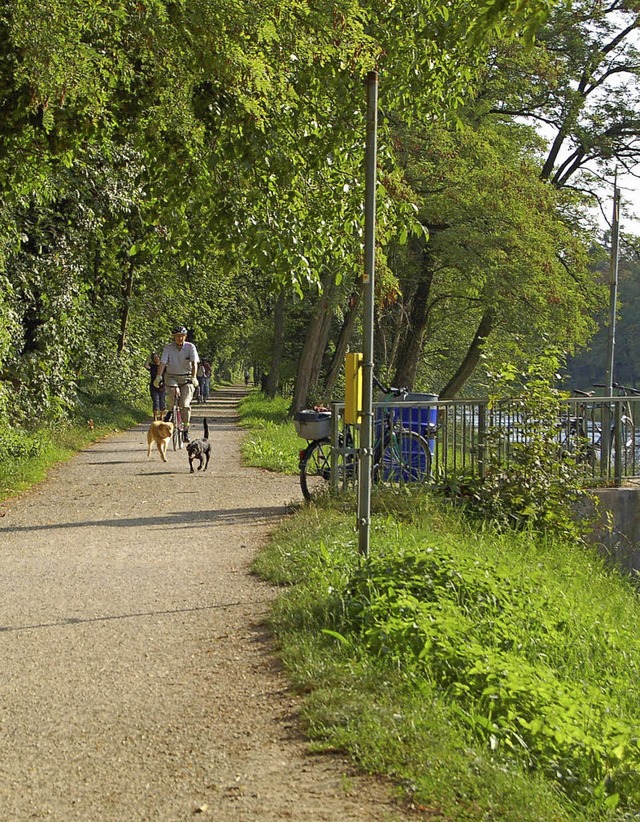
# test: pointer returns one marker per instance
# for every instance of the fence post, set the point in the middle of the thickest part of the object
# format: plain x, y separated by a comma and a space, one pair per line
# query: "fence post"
482, 437
617, 438
335, 441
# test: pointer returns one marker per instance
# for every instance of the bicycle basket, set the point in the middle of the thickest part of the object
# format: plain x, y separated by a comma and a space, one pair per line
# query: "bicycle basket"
313, 425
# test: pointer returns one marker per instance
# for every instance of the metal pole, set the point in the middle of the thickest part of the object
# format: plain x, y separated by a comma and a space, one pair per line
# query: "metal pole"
368, 282
611, 336
613, 289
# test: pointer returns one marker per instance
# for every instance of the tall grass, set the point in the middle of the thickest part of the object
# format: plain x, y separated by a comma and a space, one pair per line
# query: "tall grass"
272, 442
493, 674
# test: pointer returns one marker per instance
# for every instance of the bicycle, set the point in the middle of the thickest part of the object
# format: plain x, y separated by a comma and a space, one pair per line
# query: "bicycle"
400, 455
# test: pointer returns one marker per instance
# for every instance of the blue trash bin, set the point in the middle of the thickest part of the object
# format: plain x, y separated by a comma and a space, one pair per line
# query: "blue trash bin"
423, 419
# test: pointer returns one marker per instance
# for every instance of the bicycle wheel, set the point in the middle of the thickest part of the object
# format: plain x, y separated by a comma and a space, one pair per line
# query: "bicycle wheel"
315, 469
404, 457
176, 437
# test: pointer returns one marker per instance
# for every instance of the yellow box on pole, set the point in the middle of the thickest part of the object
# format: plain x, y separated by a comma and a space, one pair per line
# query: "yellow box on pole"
353, 388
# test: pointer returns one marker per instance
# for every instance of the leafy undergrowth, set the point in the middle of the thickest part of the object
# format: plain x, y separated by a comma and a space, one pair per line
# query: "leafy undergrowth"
273, 442
494, 675
26, 456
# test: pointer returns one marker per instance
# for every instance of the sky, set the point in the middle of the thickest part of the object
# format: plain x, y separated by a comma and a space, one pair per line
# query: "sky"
630, 196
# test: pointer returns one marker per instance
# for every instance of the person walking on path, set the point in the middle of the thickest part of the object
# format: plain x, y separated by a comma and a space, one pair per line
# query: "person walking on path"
179, 365
138, 679
158, 395
206, 379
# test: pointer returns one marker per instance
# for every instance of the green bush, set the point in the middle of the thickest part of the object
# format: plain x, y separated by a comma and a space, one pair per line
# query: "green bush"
16, 444
535, 486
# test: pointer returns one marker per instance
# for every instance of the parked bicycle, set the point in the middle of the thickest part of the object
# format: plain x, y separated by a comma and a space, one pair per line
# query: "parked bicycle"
400, 455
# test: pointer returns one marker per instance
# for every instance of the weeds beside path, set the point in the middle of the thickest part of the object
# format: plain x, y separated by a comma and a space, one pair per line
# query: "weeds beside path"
138, 681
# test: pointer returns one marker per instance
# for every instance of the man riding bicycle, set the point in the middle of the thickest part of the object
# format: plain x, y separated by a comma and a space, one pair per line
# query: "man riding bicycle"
178, 364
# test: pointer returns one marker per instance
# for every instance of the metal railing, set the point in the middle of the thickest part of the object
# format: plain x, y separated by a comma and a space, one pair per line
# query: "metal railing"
606, 431
601, 435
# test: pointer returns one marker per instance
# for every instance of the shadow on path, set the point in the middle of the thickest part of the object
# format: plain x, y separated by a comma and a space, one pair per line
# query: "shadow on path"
225, 516
62, 623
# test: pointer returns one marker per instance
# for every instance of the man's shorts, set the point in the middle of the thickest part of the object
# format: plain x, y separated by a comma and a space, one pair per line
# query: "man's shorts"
187, 390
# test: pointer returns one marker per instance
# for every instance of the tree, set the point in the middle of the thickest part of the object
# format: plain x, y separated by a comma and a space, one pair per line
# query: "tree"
497, 261
580, 85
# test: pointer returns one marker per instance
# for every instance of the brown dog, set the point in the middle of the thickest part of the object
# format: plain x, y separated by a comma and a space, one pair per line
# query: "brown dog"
159, 432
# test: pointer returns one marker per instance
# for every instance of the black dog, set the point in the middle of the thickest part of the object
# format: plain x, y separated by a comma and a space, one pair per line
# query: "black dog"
200, 449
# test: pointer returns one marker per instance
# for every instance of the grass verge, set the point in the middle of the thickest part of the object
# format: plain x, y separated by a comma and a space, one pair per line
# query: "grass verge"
492, 675
272, 442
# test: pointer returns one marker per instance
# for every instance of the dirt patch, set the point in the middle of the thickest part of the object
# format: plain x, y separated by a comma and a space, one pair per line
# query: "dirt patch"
138, 681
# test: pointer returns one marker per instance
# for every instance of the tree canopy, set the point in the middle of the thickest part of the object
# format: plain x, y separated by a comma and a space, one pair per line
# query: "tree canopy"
192, 160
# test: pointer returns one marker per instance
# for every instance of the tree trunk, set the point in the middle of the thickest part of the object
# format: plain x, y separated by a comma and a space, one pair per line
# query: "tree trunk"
273, 380
390, 358
346, 332
321, 347
410, 349
313, 349
127, 288
472, 357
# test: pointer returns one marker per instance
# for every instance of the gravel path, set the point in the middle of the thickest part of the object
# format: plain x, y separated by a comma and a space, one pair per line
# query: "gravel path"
138, 681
